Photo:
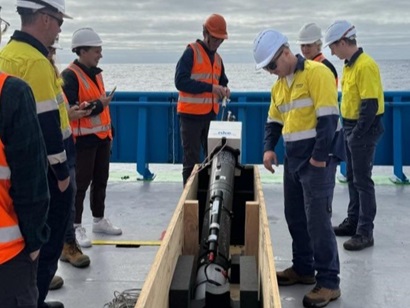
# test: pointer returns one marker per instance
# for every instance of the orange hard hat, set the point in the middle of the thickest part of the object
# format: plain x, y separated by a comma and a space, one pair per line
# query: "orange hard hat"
216, 26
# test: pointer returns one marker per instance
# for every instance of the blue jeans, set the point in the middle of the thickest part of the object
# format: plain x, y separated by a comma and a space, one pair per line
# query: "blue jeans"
360, 157
308, 210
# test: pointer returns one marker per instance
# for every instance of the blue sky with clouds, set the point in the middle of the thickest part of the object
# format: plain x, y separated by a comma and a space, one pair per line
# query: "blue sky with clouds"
155, 31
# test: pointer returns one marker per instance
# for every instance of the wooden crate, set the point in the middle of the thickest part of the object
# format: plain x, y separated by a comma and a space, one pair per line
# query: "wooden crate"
181, 238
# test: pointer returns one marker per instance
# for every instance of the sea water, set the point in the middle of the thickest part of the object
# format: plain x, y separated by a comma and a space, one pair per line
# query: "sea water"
242, 76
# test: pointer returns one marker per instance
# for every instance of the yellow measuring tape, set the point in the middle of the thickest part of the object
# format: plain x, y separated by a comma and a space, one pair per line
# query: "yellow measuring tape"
126, 243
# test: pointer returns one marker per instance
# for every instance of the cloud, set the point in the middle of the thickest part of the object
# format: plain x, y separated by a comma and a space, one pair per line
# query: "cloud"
158, 30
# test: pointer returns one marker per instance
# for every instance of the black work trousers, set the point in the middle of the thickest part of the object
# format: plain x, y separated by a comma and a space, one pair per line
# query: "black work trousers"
194, 136
360, 157
18, 282
92, 167
57, 220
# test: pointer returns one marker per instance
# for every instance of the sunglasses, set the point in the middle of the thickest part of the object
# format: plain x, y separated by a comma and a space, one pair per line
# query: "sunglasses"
272, 64
59, 21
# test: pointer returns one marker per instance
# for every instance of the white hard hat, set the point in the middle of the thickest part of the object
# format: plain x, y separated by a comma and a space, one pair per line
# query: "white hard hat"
309, 34
85, 37
266, 45
338, 30
58, 5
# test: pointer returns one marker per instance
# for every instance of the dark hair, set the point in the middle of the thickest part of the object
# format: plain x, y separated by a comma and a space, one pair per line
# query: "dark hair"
350, 42
28, 16
77, 50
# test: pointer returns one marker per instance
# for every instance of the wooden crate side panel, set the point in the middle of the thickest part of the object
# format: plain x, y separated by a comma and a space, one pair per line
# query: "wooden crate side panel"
252, 229
155, 290
191, 244
267, 271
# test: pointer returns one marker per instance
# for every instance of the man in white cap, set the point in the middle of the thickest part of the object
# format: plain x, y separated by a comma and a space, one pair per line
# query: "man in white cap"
24, 195
362, 108
25, 56
304, 111
310, 40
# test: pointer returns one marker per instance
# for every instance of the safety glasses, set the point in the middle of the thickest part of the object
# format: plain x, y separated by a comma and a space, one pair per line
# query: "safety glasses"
59, 20
272, 64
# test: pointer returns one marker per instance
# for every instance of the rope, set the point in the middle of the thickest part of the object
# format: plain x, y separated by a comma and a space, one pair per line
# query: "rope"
206, 162
126, 299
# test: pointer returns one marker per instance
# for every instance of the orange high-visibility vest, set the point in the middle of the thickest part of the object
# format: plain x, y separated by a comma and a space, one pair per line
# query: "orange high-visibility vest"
100, 124
320, 58
202, 70
11, 240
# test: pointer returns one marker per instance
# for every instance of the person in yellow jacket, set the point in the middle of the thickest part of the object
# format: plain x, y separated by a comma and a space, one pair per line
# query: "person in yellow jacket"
304, 111
201, 81
71, 253
83, 83
24, 194
25, 56
362, 109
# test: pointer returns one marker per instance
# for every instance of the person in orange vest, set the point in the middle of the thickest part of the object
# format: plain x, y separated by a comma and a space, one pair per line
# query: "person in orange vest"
83, 82
24, 194
201, 81
310, 40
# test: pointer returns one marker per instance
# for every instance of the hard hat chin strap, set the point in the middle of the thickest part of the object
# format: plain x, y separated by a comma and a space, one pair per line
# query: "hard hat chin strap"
6, 25
347, 31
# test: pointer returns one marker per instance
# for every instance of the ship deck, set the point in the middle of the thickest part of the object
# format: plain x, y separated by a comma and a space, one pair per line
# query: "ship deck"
375, 277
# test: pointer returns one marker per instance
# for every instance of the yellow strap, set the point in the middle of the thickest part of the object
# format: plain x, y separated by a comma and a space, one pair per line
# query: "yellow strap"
126, 243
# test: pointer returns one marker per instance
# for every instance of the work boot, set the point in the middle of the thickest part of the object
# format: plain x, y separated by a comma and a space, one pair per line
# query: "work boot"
72, 253
320, 297
56, 283
53, 305
82, 238
346, 228
105, 226
358, 242
289, 277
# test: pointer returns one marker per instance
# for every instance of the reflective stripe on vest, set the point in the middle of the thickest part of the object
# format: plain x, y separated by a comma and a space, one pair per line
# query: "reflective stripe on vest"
100, 124
202, 70
9, 234
88, 131
11, 240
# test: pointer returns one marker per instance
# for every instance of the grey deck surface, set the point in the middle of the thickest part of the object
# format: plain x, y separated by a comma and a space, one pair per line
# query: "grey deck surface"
375, 277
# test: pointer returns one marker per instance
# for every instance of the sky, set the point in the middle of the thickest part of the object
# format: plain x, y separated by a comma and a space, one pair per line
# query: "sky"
157, 31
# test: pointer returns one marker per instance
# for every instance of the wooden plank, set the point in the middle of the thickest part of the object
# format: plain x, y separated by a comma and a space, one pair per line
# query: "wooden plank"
191, 244
267, 271
252, 228
192, 184
155, 290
